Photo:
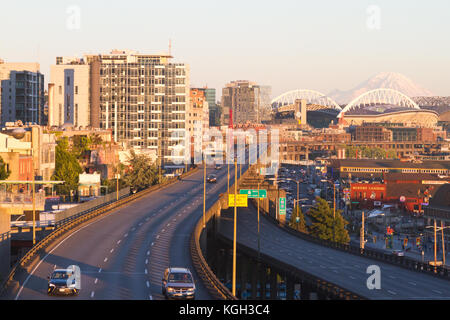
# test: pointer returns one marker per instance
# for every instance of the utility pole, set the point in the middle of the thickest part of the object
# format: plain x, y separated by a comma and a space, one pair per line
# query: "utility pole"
362, 241
235, 229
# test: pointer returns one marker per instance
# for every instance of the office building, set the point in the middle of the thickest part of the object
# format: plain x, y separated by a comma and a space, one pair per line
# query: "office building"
244, 101
22, 93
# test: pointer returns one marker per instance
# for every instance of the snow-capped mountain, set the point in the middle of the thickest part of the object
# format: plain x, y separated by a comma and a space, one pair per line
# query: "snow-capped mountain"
388, 80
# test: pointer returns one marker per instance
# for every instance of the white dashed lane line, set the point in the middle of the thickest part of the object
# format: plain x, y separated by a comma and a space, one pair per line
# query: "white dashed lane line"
92, 294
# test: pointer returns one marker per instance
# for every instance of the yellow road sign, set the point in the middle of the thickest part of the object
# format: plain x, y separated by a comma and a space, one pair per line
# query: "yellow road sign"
242, 200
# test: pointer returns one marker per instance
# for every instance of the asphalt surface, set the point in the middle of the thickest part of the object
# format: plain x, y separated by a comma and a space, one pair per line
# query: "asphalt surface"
123, 255
343, 269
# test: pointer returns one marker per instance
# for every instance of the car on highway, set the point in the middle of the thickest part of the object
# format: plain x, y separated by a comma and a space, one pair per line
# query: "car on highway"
218, 167
212, 178
64, 281
398, 253
178, 283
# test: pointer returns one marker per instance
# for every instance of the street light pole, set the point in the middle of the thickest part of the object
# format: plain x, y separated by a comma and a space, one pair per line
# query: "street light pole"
34, 202
228, 178
259, 236
235, 229
443, 242
204, 194
435, 244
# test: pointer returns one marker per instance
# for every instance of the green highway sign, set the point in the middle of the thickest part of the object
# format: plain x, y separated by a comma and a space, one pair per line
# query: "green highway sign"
282, 206
253, 194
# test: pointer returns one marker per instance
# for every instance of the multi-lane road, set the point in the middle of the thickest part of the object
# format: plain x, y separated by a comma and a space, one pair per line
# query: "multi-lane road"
123, 255
343, 269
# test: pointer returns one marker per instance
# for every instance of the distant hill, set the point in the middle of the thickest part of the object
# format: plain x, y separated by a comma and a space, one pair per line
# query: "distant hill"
387, 80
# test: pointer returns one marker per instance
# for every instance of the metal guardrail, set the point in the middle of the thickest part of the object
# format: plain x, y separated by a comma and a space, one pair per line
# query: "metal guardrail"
76, 221
320, 284
213, 284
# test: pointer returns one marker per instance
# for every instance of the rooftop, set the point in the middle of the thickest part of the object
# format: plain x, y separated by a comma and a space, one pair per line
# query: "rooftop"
390, 164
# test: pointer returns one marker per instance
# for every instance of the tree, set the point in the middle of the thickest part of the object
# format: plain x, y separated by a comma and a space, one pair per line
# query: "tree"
80, 146
67, 168
324, 226
142, 173
4, 171
298, 220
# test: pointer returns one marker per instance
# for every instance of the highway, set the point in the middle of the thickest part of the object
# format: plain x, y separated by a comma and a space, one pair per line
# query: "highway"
343, 269
123, 255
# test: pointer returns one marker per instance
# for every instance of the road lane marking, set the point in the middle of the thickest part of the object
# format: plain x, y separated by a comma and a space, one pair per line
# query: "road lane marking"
392, 292
146, 272
352, 277
157, 237
410, 282
112, 250
437, 291
92, 294
126, 235
118, 242
146, 261
148, 253
56, 247
148, 284
96, 280
150, 297
99, 270
163, 230
106, 259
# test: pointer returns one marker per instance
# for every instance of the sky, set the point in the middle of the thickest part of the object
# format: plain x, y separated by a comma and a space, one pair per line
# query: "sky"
287, 44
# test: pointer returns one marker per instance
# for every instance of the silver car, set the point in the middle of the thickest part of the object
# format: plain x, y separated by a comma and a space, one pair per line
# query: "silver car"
178, 283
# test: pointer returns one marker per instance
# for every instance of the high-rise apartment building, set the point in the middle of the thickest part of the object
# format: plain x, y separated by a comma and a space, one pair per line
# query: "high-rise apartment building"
210, 96
22, 93
143, 100
244, 101
197, 117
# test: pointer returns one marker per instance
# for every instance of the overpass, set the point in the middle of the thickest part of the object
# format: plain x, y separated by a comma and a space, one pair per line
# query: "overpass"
122, 254
310, 261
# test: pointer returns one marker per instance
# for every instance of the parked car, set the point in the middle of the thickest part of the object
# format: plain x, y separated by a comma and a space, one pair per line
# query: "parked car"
398, 253
178, 283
